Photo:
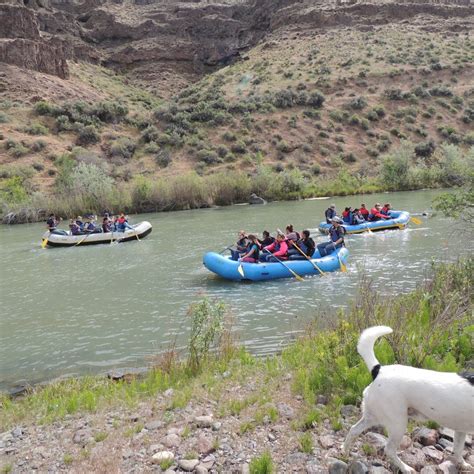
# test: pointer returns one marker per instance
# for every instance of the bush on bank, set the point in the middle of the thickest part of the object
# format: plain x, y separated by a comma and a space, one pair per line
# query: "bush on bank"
432, 329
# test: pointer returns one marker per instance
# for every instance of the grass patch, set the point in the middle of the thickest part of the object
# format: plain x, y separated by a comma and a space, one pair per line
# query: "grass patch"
262, 464
305, 443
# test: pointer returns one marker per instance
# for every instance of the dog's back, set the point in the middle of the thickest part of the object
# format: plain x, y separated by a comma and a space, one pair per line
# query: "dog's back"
444, 397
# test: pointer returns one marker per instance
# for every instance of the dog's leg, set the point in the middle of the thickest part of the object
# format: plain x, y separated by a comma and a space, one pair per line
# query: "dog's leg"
363, 424
396, 427
458, 447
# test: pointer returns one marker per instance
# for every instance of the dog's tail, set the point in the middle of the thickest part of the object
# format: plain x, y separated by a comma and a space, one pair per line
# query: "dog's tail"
365, 347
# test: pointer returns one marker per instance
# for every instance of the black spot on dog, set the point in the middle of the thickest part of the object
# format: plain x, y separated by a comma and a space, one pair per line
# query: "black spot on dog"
469, 376
375, 371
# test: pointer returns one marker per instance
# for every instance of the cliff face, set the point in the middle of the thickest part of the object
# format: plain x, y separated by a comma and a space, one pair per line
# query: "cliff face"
170, 41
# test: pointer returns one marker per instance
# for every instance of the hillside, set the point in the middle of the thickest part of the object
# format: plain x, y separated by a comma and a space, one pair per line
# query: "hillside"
289, 92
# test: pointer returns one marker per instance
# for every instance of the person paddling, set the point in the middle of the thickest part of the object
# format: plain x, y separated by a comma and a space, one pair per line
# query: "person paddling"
240, 246
386, 209
364, 212
278, 249
336, 235
52, 222
305, 244
252, 255
376, 213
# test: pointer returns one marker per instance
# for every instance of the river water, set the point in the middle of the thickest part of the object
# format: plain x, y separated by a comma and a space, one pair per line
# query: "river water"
87, 309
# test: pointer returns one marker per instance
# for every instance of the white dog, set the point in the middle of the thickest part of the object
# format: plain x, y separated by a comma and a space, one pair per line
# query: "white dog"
396, 390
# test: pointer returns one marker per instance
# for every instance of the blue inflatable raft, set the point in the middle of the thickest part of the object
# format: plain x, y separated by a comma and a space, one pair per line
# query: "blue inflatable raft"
399, 220
227, 268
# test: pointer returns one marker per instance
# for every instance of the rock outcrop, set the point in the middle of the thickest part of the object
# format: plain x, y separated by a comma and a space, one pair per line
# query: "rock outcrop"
151, 39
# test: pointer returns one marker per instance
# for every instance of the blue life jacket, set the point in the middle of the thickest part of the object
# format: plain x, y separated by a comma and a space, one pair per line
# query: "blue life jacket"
336, 234
330, 213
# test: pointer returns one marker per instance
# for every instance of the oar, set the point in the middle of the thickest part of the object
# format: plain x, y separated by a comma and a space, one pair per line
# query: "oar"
44, 242
415, 220
82, 240
240, 269
298, 277
308, 258
223, 250
342, 266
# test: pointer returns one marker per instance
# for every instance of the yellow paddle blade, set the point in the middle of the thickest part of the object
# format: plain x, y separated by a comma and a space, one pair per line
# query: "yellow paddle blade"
240, 269
415, 220
296, 275
342, 265
44, 242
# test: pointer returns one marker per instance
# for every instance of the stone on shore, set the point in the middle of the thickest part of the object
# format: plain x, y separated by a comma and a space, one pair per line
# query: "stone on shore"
188, 465
427, 437
204, 421
335, 466
162, 456
254, 199
171, 441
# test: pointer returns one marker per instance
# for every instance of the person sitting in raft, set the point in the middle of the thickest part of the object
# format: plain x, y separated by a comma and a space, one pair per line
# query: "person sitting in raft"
330, 213
386, 209
253, 250
305, 244
278, 249
90, 226
336, 234
122, 223
376, 214
266, 239
80, 223
52, 222
347, 215
241, 246
75, 228
364, 211
291, 234
106, 224
357, 217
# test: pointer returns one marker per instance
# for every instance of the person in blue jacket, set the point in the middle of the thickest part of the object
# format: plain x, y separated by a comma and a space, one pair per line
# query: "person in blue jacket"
330, 213
336, 234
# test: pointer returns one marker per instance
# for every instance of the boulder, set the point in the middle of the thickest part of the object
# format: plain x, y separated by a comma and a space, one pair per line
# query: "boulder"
254, 199
203, 421
432, 453
335, 466
414, 457
447, 467
171, 441
358, 467
162, 456
188, 465
427, 436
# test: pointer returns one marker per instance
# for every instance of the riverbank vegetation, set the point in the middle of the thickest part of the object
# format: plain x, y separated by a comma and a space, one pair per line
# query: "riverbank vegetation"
85, 185
296, 119
432, 329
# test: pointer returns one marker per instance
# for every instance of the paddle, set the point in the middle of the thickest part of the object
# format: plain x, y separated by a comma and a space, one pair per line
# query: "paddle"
415, 220
342, 266
82, 240
44, 242
308, 258
298, 277
240, 269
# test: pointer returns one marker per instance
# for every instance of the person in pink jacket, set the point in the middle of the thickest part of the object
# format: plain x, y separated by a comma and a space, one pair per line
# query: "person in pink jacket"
278, 249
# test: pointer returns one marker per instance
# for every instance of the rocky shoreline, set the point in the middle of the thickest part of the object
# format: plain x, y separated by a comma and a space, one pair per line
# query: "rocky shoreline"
201, 436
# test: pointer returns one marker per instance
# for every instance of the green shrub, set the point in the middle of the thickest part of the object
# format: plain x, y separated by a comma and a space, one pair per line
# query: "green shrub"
13, 191
395, 167
316, 99
425, 149
87, 135
262, 464
150, 134
44, 107
4, 118
441, 91
18, 149
394, 94
123, 147
284, 147
306, 443
358, 103
207, 325
239, 147
63, 124
209, 157
36, 129
163, 158
38, 145
229, 136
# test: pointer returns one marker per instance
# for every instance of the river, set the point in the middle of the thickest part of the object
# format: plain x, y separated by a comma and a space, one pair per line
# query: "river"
83, 310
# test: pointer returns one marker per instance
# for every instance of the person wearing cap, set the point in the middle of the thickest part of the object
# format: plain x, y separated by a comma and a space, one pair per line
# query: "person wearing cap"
278, 249
330, 213
376, 213
364, 211
336, 234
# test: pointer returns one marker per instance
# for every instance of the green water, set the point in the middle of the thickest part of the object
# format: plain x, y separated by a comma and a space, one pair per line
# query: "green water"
87, 309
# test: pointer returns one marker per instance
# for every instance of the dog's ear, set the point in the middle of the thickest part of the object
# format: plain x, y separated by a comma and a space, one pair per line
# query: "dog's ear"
468, 375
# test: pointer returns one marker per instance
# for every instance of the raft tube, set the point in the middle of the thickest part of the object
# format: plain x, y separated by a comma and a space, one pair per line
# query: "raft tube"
399, 220
139, 231
227, 268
